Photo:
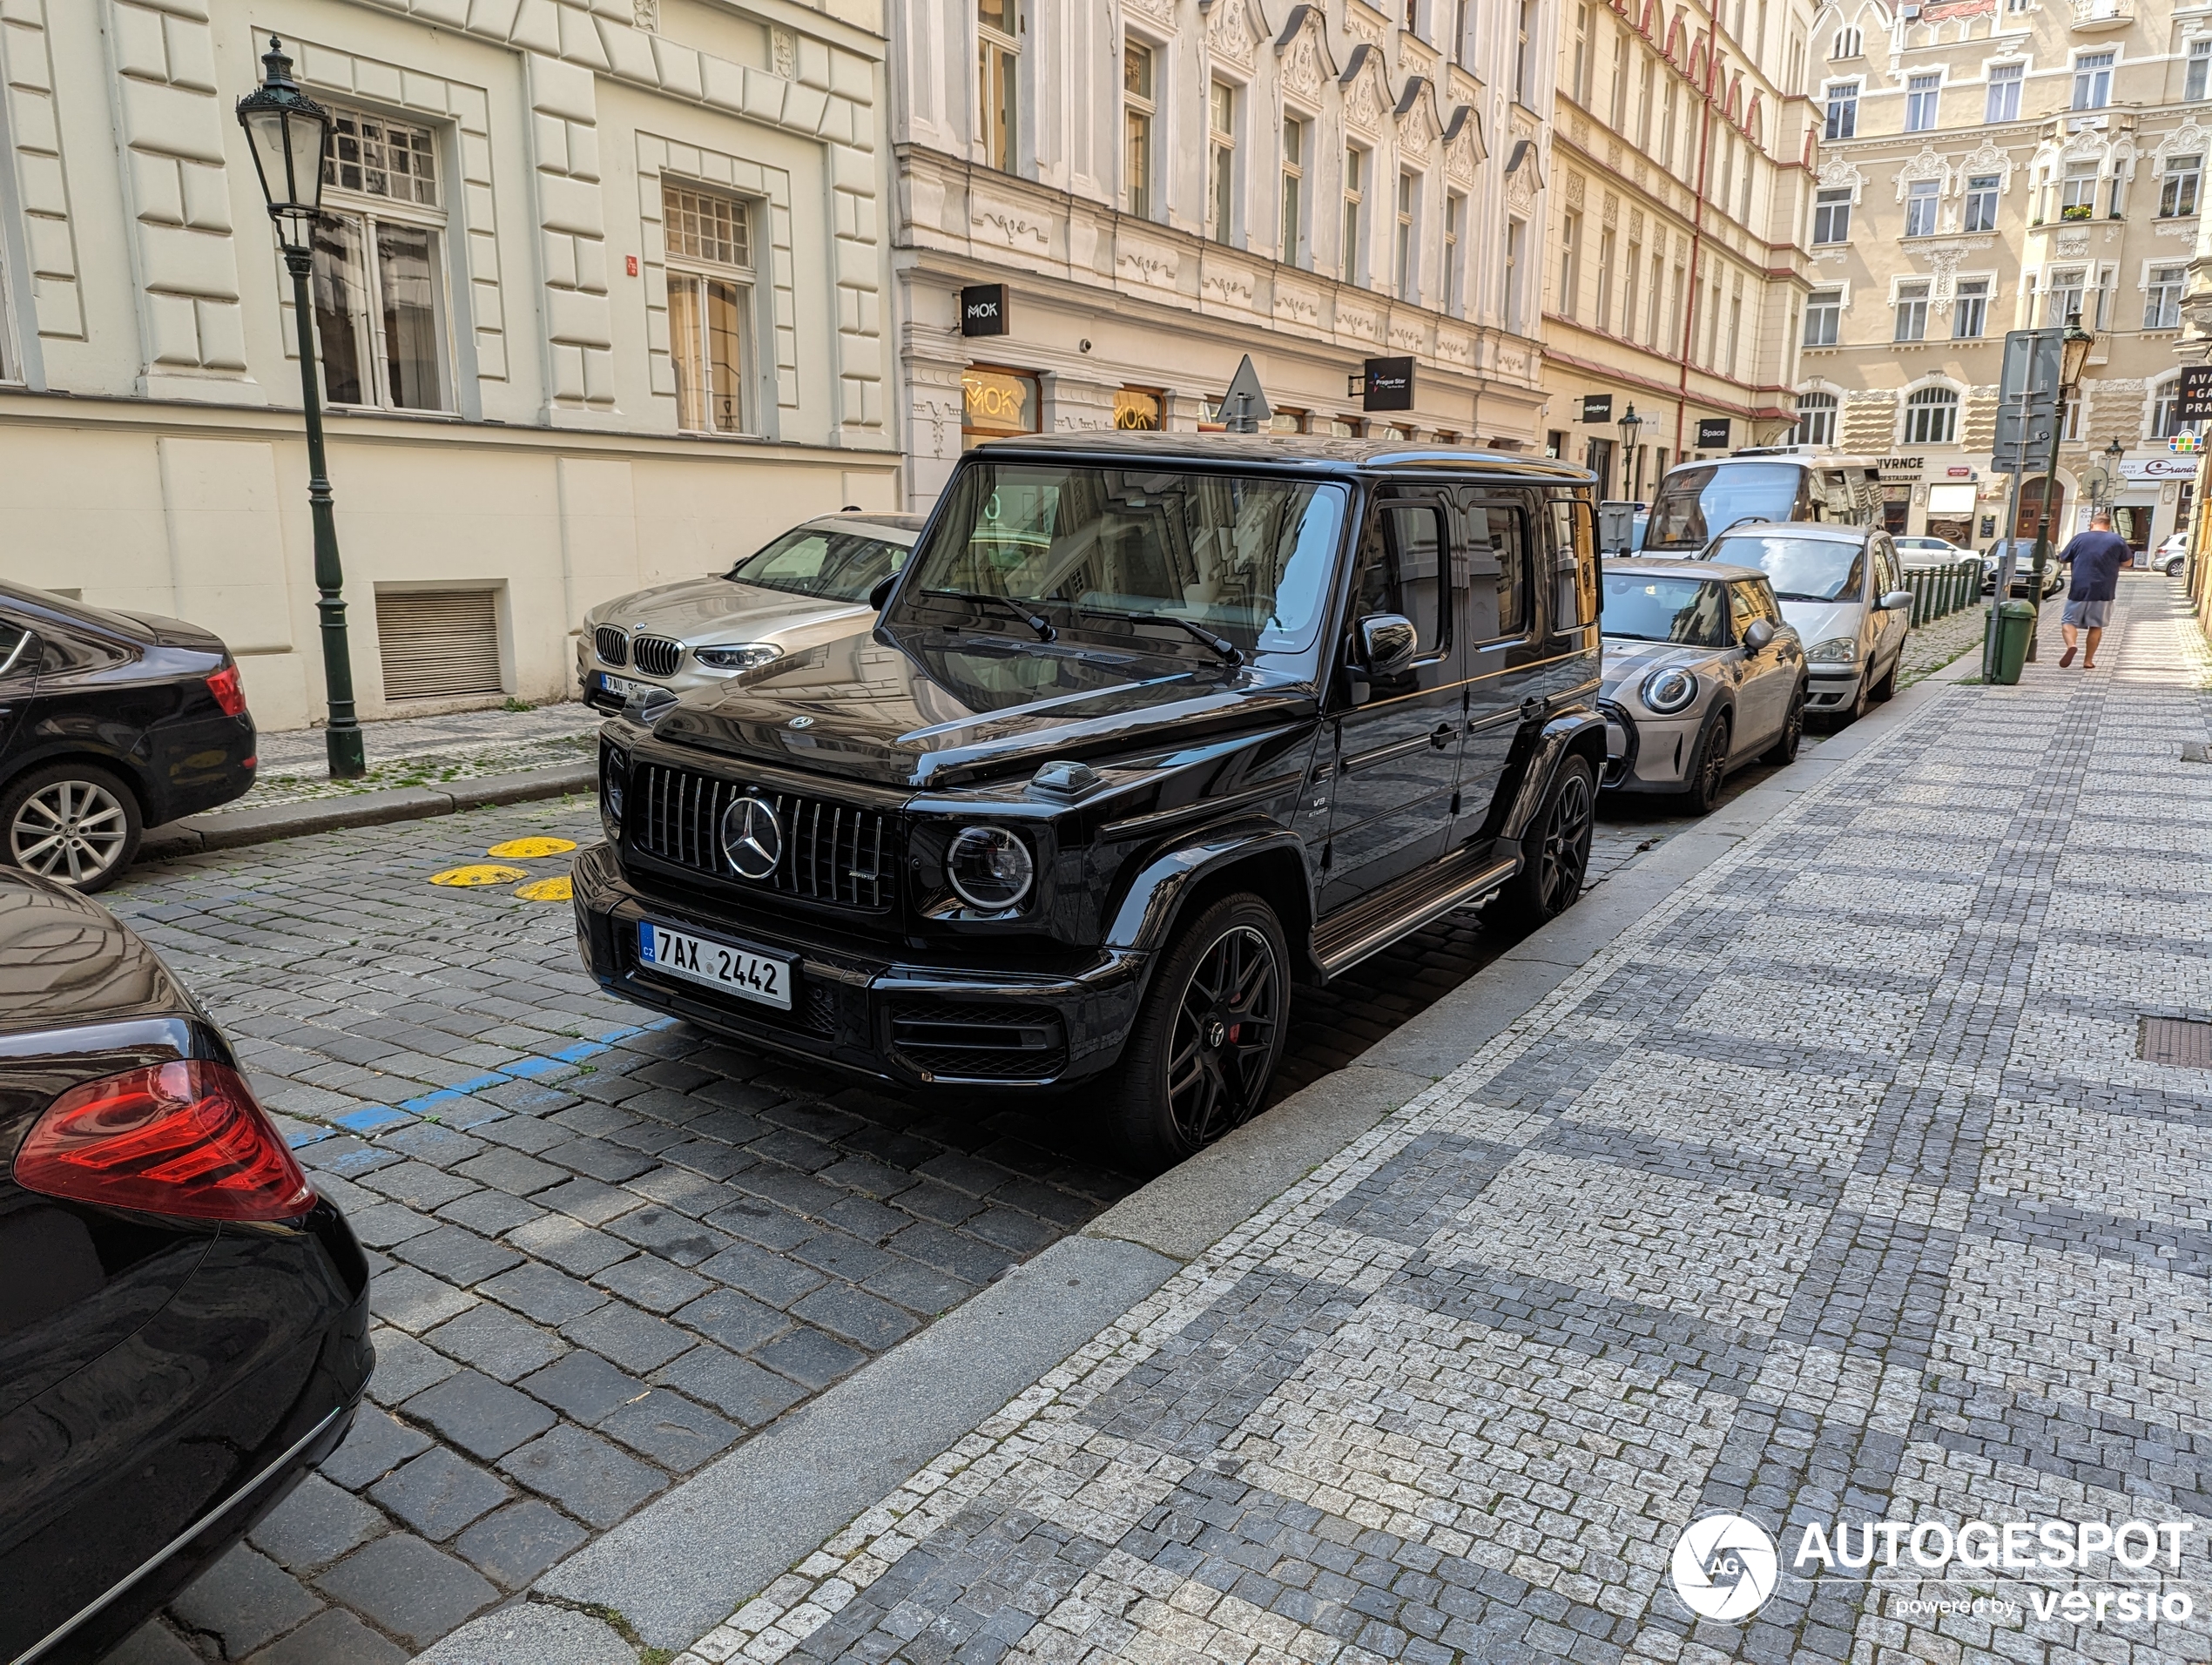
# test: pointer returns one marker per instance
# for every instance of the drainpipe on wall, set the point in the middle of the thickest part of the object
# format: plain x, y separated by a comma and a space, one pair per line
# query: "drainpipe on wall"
1696, 236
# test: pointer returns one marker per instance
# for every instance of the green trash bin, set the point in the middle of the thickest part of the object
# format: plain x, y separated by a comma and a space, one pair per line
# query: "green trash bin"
2015, 623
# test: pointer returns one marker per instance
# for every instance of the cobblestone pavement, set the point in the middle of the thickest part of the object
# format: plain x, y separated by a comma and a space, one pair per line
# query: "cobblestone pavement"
1837, 1186
605, 1254
422, 751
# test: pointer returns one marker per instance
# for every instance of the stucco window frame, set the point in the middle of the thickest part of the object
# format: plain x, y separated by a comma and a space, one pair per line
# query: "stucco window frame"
1958, 392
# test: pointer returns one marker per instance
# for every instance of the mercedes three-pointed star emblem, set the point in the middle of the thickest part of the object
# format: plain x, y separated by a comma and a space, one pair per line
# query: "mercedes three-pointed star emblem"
752, 837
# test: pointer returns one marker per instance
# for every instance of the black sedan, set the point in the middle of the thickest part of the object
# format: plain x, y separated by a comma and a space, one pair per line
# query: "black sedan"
2023, 568
184, 1323
110, 722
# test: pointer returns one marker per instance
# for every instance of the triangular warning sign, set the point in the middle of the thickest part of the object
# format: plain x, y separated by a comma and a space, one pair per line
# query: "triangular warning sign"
1243, 408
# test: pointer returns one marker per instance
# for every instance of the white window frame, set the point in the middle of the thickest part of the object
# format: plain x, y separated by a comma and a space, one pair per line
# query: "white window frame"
2163, 408
1570, 263
1456, 209
1850, 201
1923, 207
2170, 179
1961, 299
1222, 217
1832, 410
1514, 281
1922, 100
2197, 77
2002, 83
1908, 410
1996, 195
1355, 229
681, 268
1294, 185
1831, 107
367, 211
1912, 308
2094, 76
1406, 234
2077, 281
1819, 302
998, 52
2179, 287
1850, 42
1140, 197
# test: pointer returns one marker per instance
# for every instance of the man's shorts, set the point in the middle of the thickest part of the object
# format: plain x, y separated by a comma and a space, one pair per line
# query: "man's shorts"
2094, 614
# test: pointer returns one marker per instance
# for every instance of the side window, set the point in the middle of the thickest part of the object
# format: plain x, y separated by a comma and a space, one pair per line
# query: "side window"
1886, 577
1497, 571
1573, 561
1744, 604
1407, 574
18, 652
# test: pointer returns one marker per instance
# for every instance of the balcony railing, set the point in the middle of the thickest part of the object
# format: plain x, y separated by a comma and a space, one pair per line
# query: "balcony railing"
2103, 14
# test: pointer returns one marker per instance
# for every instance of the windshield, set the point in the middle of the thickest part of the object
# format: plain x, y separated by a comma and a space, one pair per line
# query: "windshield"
807, 561
1694, 504
1249, 559
1800, 569
1692, 611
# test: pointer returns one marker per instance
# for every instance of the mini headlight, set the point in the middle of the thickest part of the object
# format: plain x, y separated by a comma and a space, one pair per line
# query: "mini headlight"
1668, 689
1836, 649
746, 656
989, 867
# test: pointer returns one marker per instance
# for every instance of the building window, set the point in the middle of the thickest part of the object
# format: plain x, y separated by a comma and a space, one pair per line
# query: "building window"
1630, 273
1652, 321
1843, 111
2001, 99
1455, 270
710, 307
1667, 127
1912, 311
1816, 420
2177, 194
1831, 215
1516, 242
2077, 191
1970, 310
1922, 94
2162, 297
994, 403
1823, 317
1604, 278
1735, 328
1981, 202
1645, 84
378, 284
1138, 109
998, 81
2070, 420
2093, 80
2195, 79
1406, 249
2166, 409
1294, 250
1584, 68
2062, 299
1931, 416
1570, 263
1137, 410
1221, 177
1847, 44
1616, 114
1920, 207
1355, 224
1524, 57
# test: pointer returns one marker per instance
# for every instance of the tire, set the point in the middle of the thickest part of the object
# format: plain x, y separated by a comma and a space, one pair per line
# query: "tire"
2174, 567
1193, 1068
1709, 769
1785, 750
1884, 688
1555, 853
74, 823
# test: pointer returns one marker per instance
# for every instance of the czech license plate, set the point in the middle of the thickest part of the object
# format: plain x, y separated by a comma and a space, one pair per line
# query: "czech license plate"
700, 960
623, 687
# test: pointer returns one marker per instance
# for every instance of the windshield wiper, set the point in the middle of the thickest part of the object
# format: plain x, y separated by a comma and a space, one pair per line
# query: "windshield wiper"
1792, 595
1229, 651
1036, 622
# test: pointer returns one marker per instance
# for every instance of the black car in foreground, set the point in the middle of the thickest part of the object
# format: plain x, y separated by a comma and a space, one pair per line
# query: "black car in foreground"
184, 1323
110, 722
1149, 727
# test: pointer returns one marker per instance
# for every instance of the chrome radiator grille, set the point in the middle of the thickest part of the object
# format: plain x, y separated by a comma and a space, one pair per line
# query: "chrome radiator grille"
837, 854
612, 645
656, 655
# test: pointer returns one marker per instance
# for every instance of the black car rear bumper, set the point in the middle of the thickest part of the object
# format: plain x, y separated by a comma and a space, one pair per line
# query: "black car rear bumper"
891, 1020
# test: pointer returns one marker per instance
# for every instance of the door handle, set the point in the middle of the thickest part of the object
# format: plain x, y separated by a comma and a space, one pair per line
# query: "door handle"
1531, 708
1441, 736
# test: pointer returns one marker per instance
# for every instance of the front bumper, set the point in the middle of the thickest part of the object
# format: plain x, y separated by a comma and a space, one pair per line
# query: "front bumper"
889, 1020
1832, 688
1648, 754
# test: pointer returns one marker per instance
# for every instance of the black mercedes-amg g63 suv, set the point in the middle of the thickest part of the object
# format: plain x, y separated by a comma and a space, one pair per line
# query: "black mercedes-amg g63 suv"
1149, 727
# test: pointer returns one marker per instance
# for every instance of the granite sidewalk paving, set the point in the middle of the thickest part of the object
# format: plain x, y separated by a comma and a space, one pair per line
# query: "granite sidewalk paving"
1859, 1173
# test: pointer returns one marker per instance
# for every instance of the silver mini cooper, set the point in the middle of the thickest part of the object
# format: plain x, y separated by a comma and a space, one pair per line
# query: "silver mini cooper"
1702, 675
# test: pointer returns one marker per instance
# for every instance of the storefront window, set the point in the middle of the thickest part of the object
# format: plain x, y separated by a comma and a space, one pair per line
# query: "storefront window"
1138, 410
996, 404
1288, 421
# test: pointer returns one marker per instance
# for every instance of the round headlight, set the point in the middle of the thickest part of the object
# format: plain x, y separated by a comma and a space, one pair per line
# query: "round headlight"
746, 656
989, 867
1667, 690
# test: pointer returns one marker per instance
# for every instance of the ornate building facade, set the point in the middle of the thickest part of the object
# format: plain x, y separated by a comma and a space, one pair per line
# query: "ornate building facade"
1996, 164
1677, 271
1145, 191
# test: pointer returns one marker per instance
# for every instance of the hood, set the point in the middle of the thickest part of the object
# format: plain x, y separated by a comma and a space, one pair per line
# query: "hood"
949, 710
1628, 662
1817, 621
719, 608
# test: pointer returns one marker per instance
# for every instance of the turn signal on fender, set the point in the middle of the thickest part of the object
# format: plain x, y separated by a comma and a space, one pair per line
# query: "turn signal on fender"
185, 1139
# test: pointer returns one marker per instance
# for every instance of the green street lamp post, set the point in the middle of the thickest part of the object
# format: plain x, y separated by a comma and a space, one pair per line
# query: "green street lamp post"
1631, 425
287, 131
2074, 354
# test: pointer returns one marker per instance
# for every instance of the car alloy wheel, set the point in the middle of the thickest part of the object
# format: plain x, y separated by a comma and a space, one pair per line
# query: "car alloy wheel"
71, 831
1785, 750
1711, 768
1223, 1046
1564, 859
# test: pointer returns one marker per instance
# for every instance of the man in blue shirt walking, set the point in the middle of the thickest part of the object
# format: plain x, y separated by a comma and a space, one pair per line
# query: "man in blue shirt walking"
2096, 556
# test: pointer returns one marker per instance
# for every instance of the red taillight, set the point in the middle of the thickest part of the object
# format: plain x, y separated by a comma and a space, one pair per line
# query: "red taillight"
185, 1138
229, 692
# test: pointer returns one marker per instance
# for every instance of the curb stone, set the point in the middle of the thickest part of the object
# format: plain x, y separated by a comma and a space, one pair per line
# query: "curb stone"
534, 1633
688, 1559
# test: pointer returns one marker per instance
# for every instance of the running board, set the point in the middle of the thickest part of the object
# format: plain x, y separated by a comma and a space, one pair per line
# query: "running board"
1369, 929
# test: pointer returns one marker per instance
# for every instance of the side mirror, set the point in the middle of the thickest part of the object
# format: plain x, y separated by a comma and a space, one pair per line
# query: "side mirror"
1387, 643
1758, 636
1897, 599
881, 593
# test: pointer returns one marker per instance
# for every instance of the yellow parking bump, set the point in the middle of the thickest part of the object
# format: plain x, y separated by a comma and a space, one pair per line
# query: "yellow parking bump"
481, 873
530, 849
546, 890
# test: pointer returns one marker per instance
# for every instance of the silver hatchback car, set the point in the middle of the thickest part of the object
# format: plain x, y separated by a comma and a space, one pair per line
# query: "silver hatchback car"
807, 588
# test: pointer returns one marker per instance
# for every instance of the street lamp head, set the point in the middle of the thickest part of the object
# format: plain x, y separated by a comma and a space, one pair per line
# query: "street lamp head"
1631, 425
2115, 451
286, 131
2074, 346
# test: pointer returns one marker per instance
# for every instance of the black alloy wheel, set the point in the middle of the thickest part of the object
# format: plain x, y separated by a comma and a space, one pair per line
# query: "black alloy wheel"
1785, 750
1555, 852
1208, 1037
1709, 769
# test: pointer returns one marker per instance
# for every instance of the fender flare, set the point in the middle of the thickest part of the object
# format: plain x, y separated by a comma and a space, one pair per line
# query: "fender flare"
1152, 901
1582, 731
